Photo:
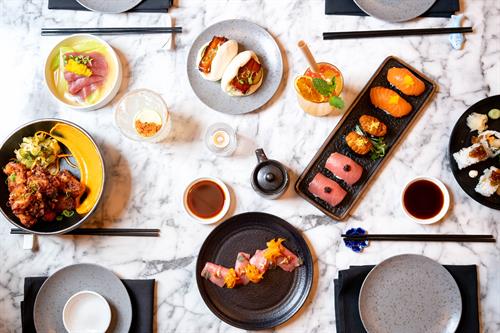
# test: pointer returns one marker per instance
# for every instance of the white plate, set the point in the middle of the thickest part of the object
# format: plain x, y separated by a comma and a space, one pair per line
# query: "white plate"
395, 10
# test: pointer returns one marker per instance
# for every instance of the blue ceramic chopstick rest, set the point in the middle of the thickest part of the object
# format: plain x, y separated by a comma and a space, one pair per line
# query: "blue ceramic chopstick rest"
456, 39
356, 246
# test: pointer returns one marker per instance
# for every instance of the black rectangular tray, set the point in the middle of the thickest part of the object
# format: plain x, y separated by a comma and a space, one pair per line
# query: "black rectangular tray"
396, 128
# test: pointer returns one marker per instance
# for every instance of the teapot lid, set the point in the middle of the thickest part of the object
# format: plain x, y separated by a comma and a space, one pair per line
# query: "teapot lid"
269, 176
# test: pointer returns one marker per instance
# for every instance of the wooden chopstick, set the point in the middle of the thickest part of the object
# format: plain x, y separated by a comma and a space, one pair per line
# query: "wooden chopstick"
393, 33
421, 237
110, 31
129, 232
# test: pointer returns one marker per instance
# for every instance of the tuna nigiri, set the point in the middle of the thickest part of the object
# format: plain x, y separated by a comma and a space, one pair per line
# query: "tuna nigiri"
344, 168
389, 101
405, 81
327, 190
215, 273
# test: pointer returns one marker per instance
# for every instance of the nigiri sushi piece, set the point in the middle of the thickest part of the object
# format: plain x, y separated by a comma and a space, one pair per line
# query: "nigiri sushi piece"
359, 144
344, 168
372, 125
405, 81
327, 190
390, 102
258, 260
242, 261
215, 273
489, 182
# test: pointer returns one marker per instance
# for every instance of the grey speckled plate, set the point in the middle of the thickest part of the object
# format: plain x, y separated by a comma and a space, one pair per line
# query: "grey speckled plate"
395, 10
249, 36
410, 293
109, 6
61, 285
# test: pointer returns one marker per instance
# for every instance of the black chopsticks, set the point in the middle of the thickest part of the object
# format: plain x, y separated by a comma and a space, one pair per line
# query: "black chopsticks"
421, 238
110, 31
393, 33
129, 232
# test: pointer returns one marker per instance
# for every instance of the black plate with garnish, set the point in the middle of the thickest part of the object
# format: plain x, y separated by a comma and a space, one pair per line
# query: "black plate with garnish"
273, 300
461, 137
66, 221
396, 128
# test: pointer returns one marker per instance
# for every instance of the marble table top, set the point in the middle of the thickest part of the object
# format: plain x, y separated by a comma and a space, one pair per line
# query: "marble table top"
146, 181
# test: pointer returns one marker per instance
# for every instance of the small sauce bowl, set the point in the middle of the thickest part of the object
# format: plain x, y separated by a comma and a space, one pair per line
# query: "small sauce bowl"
86, 312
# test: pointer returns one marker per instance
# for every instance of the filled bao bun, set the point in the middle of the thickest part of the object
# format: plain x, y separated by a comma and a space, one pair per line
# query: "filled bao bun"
225, 53
241, 60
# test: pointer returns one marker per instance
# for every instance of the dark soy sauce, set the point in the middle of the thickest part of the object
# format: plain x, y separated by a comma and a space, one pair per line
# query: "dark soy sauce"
423, 199
205, 199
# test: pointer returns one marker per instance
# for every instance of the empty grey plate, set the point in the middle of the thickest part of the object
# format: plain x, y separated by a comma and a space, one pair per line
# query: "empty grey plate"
109, 6
410, 293
249, 36
395, 10
66, 282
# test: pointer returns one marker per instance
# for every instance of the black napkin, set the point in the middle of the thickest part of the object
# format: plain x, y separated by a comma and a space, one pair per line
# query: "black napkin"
348, 286
141, 294
441, 8
150, 6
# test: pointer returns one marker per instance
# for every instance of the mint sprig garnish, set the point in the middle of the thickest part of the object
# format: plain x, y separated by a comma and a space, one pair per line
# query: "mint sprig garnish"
326, 88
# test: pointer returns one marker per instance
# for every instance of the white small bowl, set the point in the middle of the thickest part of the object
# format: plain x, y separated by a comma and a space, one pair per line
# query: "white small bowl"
225, 208
446, 200
115, 85
86, 312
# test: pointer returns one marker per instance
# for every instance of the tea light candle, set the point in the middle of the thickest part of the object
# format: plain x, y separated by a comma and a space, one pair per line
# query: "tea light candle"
220, 139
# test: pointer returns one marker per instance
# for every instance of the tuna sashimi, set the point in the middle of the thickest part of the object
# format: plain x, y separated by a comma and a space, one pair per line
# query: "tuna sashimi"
327, 190
82, 82
289, 261
242, 261
215, 273
98, 65
344, 168
259, 261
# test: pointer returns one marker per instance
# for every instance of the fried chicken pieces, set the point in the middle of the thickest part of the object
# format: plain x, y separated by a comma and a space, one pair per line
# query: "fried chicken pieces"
36, 194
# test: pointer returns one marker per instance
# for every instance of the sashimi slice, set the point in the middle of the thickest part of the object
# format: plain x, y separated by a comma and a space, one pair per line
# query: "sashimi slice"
98, 65
327, 190
289, 261
70, 76
242, 261
79, 84
344, 168
259, 261
215, 273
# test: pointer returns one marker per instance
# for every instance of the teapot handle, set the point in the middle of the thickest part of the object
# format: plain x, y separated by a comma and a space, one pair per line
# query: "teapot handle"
261, 156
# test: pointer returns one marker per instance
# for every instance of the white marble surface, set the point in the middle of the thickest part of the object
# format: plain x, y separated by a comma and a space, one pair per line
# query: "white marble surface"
145, 182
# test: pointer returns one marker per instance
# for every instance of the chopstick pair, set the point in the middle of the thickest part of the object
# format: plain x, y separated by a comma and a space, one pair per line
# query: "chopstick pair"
128, 232
421, 238
110, 31
393, 33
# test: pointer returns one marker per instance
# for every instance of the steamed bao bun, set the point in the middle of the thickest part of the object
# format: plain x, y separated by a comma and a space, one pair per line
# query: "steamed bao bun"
232, 71
225, 53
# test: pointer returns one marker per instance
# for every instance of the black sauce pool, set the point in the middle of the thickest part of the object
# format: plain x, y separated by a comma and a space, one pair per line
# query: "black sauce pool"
423, 199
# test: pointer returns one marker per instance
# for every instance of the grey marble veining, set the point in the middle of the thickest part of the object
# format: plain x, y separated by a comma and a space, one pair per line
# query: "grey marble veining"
146, 182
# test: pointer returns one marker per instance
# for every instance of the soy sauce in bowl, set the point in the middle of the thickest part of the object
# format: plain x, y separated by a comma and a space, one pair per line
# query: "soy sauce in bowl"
426, 200
205, 199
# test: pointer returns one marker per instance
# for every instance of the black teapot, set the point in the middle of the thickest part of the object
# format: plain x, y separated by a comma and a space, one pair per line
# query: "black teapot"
269, 178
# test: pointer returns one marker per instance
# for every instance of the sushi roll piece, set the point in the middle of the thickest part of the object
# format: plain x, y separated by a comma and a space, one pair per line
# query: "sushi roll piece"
344, 168
468, 156
243, 75
390, 102
372, 125
259, 260
214, 57
405, 81
242, 261
492, 139
326, 189
215, 273
359, 144
489, 182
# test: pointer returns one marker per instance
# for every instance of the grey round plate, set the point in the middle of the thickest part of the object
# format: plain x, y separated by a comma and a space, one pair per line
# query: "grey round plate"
410, 293
395, 10
61, 285
249, 36
109, 6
